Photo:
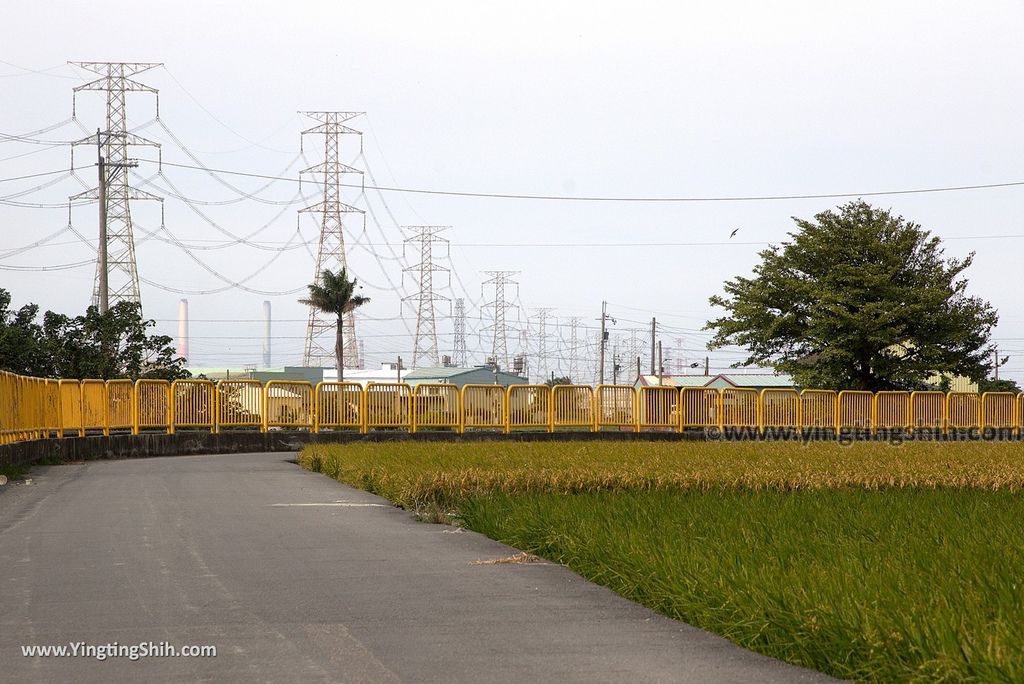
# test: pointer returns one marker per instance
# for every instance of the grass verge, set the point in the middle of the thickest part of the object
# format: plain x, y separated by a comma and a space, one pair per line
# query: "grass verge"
868, 562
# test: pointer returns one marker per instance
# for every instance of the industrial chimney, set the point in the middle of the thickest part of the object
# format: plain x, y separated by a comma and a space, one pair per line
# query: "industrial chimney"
183, 328
266, 334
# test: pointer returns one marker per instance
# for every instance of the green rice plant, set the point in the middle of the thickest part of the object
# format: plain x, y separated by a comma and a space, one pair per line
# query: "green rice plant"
893, 585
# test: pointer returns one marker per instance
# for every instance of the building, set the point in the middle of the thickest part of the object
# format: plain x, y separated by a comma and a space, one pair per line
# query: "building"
312, 375
478, 375
758, 381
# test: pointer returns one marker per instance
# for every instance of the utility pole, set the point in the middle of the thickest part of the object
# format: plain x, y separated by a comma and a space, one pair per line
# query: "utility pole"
425, 342
654, 336
661, 366
603, 341
615, 364
459, 346
707, 362
115, 256
998, 362
499, 347
320, 329
637, 369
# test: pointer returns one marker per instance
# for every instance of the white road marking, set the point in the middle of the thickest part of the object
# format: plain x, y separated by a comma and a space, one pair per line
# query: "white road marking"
344, 504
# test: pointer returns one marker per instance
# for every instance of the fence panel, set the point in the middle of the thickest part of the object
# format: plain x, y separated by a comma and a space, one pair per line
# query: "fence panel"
616, 406
780, 408
388, 404
892, 410
483, 406
739, 408
529, 407
120, 398
71, 408
927, 410
288, 403
963, 411
239, 404
51, 407
572, 406
1020, 413
997, 410
94, 406
658, 408
702, 407
339, 405
818, 409
152, 405
192, 405
856, 410
437, 406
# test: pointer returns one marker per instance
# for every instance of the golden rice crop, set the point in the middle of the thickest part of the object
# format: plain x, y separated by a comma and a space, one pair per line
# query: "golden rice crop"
415, 473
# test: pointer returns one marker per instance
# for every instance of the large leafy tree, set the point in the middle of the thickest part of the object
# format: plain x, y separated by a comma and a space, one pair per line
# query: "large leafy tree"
335, 295
858, 299
117, 344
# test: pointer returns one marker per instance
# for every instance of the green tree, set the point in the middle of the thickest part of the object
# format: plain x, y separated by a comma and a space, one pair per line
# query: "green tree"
117, 344
22, 349
335, 295
564, 380
858, 299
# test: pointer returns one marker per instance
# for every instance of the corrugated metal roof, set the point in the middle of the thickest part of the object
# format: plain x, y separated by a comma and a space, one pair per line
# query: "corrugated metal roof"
758, 379
446, 372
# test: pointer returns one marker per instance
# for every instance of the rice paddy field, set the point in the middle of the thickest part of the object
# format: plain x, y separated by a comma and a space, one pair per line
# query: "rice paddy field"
868, 561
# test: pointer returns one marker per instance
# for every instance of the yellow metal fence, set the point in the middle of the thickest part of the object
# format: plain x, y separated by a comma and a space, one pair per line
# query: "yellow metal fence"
36, 408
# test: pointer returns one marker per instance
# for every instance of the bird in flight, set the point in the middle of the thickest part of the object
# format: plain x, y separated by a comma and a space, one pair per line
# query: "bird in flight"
733, 233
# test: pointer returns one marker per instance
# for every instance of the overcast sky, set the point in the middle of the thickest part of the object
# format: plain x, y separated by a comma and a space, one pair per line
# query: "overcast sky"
586, 99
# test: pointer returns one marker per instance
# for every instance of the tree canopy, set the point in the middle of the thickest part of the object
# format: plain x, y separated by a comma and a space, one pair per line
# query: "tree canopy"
858, 299
335, 295
116, 344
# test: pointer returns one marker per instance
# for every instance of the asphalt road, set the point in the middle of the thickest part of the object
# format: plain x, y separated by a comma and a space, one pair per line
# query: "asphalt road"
226, 551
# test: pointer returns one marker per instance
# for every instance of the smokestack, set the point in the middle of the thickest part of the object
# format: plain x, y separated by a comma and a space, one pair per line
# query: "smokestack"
183, 328
266, 334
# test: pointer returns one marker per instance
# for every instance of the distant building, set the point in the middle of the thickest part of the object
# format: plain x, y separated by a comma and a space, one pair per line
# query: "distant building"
477, 375
758, 381
313, 375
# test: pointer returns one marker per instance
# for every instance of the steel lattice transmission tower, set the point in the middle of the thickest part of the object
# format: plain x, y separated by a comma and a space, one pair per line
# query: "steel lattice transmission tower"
425, 342
117, 274
330, 255
543, 367
574, 324
459, 358
499, 347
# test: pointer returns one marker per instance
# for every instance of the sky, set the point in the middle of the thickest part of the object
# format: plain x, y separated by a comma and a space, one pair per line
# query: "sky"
685, 100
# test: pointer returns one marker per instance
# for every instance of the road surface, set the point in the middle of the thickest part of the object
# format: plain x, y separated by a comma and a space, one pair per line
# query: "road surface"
295, 577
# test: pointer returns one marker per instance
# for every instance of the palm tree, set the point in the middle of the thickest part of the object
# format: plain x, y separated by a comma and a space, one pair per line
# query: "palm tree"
335, 295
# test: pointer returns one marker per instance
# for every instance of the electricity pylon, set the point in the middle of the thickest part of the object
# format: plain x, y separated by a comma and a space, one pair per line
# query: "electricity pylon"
459, 347
117, 274
543, 367
425, 343
320, 333
499, 346
574, 324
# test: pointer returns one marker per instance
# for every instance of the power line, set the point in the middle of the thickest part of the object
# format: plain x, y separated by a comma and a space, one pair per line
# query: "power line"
594, 198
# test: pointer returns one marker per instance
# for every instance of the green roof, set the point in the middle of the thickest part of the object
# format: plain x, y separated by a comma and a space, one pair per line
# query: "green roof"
758, 379
446, 372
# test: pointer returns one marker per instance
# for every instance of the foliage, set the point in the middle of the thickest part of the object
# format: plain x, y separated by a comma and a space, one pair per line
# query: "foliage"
563, 380
873, 562
894, 585
335, 295
117, 344
413, 474
859, 299
998, 386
